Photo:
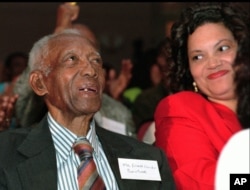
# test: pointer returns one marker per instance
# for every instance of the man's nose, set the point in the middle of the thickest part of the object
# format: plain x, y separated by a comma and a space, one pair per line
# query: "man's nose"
87, 69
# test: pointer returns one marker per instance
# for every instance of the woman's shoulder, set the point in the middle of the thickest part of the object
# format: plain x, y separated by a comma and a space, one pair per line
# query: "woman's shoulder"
186, 94
182, 103
187, 97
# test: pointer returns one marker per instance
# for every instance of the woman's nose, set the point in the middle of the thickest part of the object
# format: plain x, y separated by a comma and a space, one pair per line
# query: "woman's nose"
214, 62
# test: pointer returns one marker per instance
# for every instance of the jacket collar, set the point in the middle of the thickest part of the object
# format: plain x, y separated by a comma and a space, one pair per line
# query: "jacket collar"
38, 148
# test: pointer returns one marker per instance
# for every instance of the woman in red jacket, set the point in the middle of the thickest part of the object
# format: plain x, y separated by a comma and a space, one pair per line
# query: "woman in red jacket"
210, 84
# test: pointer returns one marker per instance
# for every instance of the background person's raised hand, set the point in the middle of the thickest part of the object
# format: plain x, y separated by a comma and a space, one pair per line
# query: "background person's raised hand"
6, 110
117, 84
66, 14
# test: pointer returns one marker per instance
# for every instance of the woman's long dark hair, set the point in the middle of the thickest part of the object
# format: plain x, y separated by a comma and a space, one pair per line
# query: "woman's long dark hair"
237, 21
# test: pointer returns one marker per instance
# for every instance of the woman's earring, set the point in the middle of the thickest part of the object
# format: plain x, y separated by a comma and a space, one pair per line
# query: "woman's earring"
195, 87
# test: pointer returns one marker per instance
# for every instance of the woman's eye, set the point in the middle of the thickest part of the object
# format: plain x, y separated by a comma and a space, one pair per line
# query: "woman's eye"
197, 57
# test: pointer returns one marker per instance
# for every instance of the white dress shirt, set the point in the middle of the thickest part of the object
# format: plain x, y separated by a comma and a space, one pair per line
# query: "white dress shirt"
68, 161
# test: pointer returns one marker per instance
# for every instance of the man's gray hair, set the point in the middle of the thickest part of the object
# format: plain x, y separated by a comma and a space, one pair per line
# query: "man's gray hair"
40, 50
30, 108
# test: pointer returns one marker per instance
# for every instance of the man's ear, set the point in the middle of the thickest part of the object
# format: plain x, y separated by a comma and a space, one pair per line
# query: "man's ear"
37, 83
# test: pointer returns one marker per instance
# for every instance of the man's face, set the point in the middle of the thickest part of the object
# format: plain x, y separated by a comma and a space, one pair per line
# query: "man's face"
76, 80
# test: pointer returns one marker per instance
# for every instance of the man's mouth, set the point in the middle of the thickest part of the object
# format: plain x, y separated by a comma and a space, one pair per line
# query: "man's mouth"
88, 89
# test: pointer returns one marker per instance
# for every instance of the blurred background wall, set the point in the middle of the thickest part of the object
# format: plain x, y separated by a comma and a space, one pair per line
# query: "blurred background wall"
116, 25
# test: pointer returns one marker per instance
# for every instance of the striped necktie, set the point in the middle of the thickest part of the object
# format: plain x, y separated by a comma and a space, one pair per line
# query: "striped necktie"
88, 178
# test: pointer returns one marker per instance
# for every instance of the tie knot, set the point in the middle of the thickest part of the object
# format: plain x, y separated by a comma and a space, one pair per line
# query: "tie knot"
83, 148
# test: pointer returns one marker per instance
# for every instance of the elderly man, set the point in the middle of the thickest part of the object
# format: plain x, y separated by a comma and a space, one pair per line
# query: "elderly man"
66, 70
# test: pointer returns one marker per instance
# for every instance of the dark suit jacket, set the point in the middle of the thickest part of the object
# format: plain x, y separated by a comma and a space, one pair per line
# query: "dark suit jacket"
28, 159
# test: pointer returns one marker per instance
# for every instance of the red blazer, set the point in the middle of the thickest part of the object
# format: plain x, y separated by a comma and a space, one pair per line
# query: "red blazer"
192, 131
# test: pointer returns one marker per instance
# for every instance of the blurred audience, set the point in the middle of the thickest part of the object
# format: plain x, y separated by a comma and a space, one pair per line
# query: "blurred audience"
138, 79
143, 71
146, 102
14, 65
7, 103
116, 82
210, 79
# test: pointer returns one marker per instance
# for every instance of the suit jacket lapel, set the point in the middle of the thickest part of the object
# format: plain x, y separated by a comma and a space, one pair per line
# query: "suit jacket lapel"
113, 151
40, 165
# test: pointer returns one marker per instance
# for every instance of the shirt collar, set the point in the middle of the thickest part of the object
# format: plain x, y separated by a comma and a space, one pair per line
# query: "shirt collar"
64, 138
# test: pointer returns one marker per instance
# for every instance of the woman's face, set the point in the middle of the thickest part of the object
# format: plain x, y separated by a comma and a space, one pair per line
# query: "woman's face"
211, 52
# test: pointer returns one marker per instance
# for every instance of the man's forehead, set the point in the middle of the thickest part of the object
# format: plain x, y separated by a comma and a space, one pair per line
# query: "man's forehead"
70, 40
71, 44
69, 37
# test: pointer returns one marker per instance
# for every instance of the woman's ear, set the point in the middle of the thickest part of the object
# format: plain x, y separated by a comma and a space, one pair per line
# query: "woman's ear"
37, 83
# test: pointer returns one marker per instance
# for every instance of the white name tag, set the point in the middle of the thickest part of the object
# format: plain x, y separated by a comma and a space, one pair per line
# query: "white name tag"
139, 169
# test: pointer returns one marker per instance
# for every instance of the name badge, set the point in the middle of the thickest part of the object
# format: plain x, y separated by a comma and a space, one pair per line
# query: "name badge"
139, 169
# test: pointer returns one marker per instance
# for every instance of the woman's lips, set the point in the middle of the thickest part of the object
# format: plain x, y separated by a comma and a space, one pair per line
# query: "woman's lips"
217, 74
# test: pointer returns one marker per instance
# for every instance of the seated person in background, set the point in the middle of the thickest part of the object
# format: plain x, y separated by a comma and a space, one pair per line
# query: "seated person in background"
66, 71
117, 83
210, 50
4, 101
145, 104
111, 112
140, 78
14, 65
